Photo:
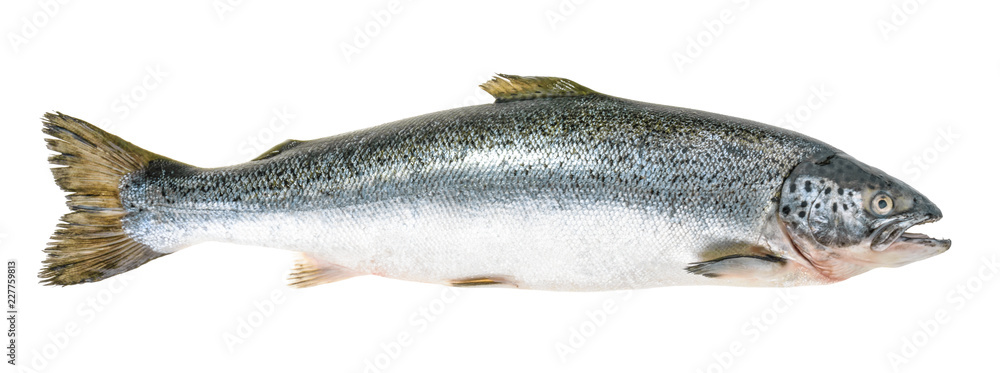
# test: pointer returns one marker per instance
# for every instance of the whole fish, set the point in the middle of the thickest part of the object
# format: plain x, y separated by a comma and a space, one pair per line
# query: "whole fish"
554, 186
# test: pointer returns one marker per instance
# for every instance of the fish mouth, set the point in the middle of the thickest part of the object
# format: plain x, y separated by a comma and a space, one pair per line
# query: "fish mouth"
893, 233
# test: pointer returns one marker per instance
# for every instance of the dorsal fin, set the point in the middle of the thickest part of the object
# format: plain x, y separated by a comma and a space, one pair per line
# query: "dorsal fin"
504, 87
277, 149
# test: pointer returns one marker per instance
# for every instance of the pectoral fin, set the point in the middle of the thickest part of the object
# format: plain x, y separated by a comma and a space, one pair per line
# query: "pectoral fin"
747, 267
312, 271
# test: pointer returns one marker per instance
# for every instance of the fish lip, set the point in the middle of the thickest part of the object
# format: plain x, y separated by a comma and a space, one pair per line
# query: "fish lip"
894, 231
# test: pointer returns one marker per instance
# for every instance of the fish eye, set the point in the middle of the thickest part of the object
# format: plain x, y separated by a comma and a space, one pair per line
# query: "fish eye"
882, 204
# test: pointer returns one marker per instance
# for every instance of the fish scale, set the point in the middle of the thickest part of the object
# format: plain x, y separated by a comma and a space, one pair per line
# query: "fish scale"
552, 187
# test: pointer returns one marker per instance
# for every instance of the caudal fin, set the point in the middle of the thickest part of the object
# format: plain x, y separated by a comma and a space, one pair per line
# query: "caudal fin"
90, 244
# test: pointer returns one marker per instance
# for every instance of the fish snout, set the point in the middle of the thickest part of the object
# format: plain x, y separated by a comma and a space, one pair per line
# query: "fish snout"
927, 209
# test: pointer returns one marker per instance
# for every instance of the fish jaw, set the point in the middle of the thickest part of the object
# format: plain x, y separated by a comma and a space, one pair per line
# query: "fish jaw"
912, 247
890, 230
901, 247
890, 245
838, 264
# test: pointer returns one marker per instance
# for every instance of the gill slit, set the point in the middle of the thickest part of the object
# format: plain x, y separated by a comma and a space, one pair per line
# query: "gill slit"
795, 247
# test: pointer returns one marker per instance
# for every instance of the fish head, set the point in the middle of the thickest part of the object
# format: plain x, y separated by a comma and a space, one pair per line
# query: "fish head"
846, 217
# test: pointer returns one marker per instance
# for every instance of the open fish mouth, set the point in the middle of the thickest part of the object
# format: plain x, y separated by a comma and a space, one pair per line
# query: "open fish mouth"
893, 233
923, 239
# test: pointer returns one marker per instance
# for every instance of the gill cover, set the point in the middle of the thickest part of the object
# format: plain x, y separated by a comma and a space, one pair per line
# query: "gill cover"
837, 201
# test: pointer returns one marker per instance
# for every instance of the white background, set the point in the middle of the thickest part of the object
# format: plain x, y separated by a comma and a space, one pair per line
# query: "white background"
202, 83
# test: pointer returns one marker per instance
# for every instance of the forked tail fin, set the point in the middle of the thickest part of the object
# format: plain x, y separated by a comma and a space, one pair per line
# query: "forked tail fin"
90, 244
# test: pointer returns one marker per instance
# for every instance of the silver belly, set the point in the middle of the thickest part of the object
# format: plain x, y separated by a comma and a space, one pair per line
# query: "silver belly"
537, 244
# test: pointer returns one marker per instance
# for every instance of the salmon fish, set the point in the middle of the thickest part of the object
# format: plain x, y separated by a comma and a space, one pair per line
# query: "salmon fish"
553, 186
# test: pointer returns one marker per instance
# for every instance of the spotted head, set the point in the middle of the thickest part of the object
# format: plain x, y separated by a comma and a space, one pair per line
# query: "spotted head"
846, 217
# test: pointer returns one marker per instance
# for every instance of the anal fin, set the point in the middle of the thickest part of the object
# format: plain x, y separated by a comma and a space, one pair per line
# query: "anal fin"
490, 281
311, 271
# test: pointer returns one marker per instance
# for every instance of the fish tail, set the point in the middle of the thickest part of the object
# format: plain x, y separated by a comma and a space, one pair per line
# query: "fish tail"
90, 243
